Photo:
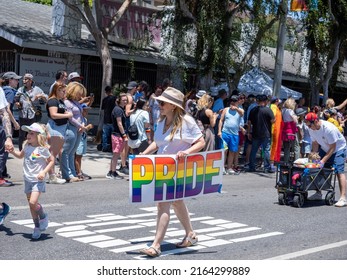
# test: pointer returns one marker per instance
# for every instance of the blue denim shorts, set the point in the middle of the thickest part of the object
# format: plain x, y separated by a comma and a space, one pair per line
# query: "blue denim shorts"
82, 146
30, 187
56, 130
337, 160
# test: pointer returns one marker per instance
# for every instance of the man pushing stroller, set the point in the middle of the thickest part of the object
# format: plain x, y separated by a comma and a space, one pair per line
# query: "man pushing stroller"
329, 142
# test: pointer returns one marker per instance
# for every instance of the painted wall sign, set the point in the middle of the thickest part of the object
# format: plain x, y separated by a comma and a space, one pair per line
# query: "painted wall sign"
43, 68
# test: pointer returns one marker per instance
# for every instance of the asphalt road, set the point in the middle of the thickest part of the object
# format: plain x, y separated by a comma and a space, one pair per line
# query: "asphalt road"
93, 220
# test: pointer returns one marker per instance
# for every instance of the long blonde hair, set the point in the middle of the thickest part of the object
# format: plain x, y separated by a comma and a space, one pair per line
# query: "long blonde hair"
289, 103
204, 101
330, 103
177, 121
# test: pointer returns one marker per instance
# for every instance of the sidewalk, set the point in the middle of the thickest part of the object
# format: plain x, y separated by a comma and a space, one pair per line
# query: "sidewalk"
96, 164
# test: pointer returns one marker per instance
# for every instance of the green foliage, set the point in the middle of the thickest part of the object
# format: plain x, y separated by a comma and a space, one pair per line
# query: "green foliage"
44, 2
325, 27
50, 2
218, 27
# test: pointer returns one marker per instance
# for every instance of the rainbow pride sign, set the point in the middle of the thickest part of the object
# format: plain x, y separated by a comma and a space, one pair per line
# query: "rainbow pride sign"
158, 178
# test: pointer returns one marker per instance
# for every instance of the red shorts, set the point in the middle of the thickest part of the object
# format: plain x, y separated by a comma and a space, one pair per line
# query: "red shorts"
242, 138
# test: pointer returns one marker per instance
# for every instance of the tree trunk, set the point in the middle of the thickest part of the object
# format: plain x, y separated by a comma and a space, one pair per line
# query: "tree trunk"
314, 69
280, 49
330, 66
107, 65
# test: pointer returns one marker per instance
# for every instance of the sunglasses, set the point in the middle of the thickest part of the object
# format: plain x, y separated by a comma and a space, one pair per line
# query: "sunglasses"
161, 103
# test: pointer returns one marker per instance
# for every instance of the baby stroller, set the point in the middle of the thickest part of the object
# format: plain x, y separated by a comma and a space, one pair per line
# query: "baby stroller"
293, 184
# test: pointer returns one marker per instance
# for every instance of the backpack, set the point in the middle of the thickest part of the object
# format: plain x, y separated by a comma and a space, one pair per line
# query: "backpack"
133, 132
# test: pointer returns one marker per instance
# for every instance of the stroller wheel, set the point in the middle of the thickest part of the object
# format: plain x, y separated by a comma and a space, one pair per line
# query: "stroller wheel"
298, 200
281, 198
330, 198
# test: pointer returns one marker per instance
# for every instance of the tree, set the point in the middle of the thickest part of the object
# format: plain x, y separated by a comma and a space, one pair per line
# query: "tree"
280, 48
325, 38
217, 27
83, 9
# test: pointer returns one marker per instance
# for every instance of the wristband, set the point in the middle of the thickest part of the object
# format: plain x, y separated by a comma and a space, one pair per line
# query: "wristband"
124, 135
9, 136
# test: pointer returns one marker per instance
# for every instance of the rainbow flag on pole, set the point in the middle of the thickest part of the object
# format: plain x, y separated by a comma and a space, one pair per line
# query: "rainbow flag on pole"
303, 5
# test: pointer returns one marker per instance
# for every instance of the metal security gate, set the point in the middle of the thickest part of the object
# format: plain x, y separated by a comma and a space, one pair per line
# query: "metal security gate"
91, 70
7, 61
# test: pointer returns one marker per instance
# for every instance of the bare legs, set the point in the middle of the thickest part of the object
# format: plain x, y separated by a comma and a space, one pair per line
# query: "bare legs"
33, 199
341, 177
56, 145
163, 219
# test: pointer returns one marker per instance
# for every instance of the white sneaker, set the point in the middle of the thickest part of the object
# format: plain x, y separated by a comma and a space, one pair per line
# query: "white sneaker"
315, 196
231, 171
53, 179
341, 203
36, 234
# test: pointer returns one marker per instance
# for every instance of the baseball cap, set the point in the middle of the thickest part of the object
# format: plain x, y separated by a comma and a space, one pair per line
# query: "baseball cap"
275, 99
33, 127
200, 94
311, 117
132, 85
11, 75
332, 111
85, 106
261, 97
234, 98
28, 76
74, 75
300, 111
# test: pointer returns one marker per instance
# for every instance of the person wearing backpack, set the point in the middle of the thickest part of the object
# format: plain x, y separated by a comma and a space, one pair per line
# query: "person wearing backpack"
139, 131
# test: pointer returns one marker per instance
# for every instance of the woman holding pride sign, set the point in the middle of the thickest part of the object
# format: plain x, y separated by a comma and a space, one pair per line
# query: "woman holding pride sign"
176, 133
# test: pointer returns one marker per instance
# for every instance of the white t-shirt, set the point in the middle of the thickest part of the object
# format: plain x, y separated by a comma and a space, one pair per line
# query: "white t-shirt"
3, 101
328, 134
141, 117
34, 161
182, 140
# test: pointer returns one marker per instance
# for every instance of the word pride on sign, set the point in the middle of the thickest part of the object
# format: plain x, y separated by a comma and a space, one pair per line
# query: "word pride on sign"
158, 178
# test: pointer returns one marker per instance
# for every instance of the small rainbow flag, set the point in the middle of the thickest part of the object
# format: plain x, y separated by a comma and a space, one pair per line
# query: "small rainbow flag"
35, 156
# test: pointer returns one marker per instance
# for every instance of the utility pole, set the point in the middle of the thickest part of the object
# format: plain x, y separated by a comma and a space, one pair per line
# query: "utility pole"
280, 48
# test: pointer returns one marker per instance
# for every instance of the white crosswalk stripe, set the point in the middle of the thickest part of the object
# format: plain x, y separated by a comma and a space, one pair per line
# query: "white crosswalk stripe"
101, 230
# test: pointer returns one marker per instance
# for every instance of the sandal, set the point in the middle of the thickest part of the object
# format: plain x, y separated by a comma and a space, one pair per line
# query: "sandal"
86, 176
74, 179
151, 252
187, 242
